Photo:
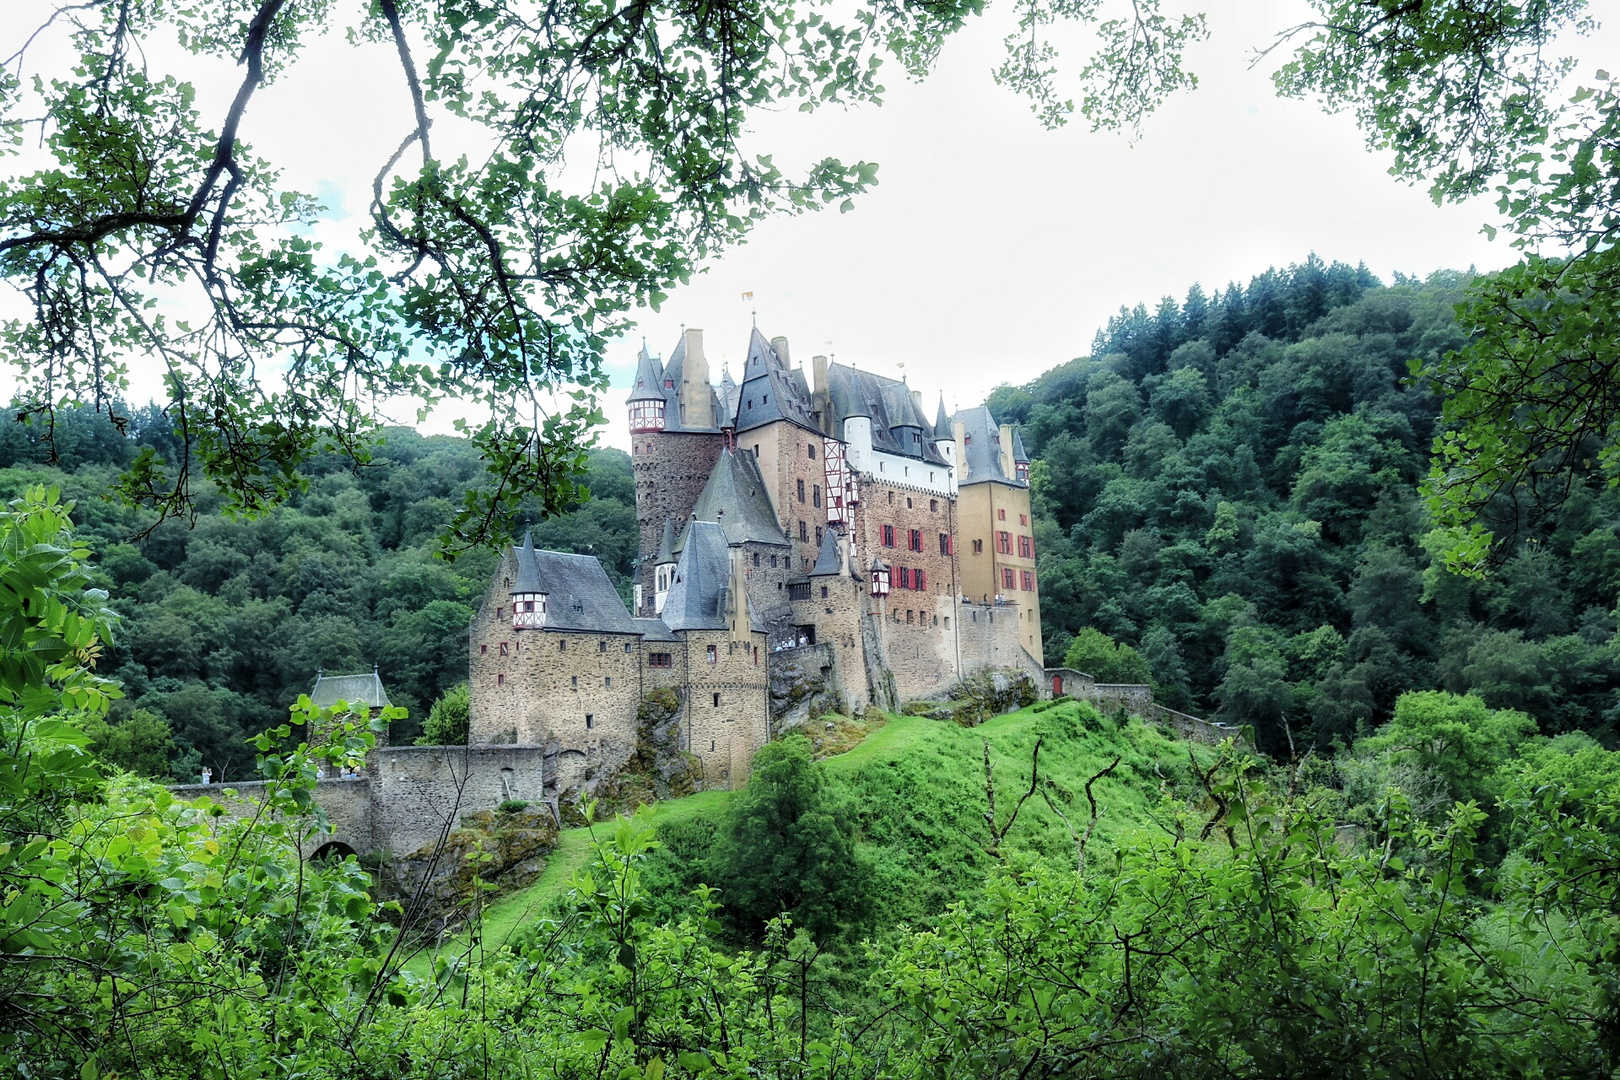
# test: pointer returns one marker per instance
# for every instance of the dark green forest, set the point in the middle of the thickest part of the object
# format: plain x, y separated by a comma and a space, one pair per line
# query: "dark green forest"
226, 621
1227, 489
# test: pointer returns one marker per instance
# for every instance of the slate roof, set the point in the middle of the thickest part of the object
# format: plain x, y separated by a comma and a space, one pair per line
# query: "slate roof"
355, 689
852, 392
942, 423
770, 391
735, 498
981, 457
579, 595
696, 599
1018, 452
830, 561
654, 630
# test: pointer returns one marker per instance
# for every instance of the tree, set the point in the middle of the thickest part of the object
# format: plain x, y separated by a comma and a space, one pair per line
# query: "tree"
446, 723
784, 849
494, 278
1105, 660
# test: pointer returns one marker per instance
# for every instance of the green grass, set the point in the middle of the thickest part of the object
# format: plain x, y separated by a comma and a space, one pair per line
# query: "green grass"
916, 788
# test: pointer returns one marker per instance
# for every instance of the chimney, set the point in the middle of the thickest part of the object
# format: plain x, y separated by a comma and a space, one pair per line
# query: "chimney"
916, 399
1008, 469
780, 344
818, 365
697, 401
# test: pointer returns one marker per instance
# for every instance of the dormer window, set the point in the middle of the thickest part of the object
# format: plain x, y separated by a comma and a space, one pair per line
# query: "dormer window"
528, 611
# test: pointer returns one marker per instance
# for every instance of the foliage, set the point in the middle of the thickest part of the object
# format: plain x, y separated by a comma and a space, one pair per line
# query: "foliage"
447, 721
1100, 656
786, 848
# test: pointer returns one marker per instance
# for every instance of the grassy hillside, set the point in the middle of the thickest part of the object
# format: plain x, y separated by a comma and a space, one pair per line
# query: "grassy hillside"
917, 789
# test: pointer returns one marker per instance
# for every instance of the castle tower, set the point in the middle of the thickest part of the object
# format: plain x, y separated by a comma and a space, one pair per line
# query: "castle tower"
674, 442
528, 593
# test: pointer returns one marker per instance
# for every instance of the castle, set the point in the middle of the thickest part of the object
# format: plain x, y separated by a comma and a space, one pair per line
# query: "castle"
803, 539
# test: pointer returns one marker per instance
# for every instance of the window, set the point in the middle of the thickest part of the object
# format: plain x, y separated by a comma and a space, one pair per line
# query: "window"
810, 448
503, 648
601, 646
904, 573
574, 681
1026, 547
946, 546
1001, 514
660, 659
714, 653
815, 494
562, 644
1028, 580
627, 648
818, 536
756, 656
483, 650
500, 613
756, 558
933, 504
590, 721
919, 580
824, 592
801, 489
891, 498
915, 540
500, 680
1004, 543
1007, 581
717, 701
910, 616
1023, 519
773, 562
804, 531
607, 681
888, 536
978, 547
908, 502
711, 746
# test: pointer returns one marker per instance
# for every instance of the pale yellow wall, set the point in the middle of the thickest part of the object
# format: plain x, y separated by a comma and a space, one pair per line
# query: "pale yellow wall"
977, 510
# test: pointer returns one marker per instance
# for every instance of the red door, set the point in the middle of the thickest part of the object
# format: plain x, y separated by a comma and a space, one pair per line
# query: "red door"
1057, 686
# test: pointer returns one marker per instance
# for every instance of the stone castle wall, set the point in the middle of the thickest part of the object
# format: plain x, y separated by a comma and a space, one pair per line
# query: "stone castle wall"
991, 636
834, 608
727, 703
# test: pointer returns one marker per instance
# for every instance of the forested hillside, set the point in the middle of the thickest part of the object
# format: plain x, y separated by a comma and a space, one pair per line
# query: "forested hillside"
225, 622
1227, 488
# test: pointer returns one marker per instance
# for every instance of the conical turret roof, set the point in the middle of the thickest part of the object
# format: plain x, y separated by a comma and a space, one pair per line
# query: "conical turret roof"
1018, 447
830, 561
942, 423
528, 568
649, 384
666, 546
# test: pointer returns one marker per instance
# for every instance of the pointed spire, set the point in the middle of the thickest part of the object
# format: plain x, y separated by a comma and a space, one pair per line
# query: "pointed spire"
649, 378
666, 546
1018, 447
528, 568
942, 424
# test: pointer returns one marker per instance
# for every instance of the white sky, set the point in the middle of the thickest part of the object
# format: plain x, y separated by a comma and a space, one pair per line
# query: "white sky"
991, 249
